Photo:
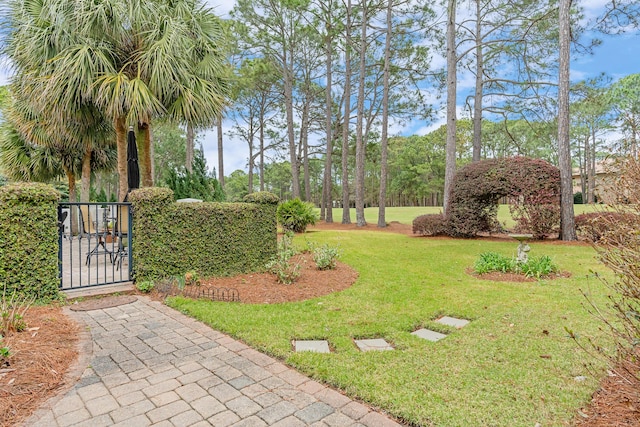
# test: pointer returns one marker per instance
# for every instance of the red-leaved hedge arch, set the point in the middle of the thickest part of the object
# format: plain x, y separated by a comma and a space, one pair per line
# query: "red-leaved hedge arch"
531, 185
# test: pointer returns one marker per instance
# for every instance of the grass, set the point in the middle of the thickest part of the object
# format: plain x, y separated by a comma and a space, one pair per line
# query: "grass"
406, 215
513, 365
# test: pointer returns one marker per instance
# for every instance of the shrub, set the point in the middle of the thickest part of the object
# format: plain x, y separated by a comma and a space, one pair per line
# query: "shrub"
214, 239
492, 261
145, 286
534, 267
286, 271
592, 226
296, 215
191, 278
29, 240
430, 225
13, 308
325, 256
533, 188
577, 198
538, 267
5, 352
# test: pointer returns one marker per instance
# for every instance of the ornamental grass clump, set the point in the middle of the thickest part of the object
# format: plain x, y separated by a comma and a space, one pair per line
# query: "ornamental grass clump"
324, 256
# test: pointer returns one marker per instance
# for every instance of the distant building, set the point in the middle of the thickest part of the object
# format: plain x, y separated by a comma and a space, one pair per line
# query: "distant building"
606, 175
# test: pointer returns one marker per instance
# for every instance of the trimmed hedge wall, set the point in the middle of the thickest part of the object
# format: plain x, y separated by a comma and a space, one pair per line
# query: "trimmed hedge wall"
29, 240
213, 239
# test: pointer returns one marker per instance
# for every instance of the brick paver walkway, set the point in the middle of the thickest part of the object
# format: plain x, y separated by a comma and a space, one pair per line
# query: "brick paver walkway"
152, 365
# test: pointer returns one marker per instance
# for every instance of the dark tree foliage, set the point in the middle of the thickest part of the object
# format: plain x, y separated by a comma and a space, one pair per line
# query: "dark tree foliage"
198, 184
532, 187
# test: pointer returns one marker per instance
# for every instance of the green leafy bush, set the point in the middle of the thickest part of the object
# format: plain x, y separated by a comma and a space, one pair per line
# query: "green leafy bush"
538, 267
145, 286
492, 261
296, 215
430, 225
214, 239
534, 267
5, 353
325, 256
29, 240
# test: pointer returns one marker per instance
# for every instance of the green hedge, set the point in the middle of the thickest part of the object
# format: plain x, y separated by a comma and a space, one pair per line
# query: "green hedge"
213, 239
29, 239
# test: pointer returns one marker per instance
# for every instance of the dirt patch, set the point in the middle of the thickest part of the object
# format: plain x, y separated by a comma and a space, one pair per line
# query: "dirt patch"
40, 357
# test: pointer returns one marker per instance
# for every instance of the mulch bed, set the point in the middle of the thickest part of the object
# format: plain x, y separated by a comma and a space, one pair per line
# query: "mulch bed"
40, 357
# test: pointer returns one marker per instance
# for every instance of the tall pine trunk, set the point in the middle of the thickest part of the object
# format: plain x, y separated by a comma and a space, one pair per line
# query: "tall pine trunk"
382, 198
360, 143
477, 101
346, 213
327, 198
567, 220
450, 158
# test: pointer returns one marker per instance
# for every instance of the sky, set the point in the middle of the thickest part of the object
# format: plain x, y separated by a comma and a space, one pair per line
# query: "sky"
618, 56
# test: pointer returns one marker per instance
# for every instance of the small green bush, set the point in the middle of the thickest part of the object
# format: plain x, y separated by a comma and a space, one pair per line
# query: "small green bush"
492, 261
534, 267
5, 352
430, 225
325, 256
538, 267
286, 271
145, 286
296, 215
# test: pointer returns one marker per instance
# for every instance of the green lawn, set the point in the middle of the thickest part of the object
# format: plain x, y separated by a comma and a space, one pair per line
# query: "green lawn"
406, 215
490, 373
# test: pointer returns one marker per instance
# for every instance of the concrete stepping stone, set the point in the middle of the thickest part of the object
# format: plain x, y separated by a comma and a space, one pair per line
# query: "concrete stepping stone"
452, 321
376, 344
428, 334
314, 346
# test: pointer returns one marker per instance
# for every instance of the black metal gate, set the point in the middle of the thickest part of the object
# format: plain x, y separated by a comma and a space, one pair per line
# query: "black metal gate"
95, 244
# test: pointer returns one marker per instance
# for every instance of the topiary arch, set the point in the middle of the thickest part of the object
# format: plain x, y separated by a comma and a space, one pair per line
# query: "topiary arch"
531, 185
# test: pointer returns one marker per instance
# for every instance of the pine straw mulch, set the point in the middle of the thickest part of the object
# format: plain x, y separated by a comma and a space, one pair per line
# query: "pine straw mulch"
40, 358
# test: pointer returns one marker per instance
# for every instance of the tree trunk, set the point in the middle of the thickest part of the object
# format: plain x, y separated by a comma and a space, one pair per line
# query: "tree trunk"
85, 191
592, 168
360, 143
382, 198
346, 213
477, 102
73, 197
152, 155
567, 220
288, 104
261, 152
450, 159
188, 164
304, 140
220, 152
121, 143
144, 147
327, 199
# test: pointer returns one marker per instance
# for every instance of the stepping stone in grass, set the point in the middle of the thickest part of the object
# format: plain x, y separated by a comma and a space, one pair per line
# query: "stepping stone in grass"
377, 344
428, 335
452, 321
314, 346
